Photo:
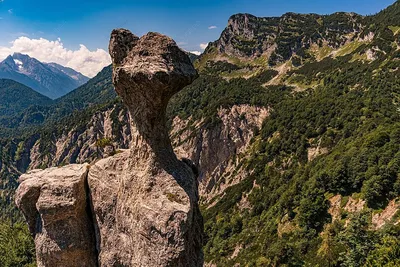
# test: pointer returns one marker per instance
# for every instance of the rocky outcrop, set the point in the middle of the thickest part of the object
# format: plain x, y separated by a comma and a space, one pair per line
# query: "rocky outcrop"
215, 149
54, 203
143, 201
387, 215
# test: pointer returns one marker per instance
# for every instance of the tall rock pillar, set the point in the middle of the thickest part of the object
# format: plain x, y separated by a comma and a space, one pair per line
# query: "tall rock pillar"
146, 200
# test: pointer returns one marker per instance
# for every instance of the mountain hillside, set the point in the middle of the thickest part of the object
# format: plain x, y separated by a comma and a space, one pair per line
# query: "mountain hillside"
51, 80
319, 185
15, 97
97, 91
251, 43
294, 126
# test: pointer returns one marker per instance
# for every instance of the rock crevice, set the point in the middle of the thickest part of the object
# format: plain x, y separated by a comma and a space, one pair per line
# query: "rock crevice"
143, 208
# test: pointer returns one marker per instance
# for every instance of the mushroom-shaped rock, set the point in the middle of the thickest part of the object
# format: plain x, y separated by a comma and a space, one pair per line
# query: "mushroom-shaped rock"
153, 69
145, 200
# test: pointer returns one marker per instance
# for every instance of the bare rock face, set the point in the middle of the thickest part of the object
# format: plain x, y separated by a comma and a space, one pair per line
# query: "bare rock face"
139, 207
145, 200
54, 203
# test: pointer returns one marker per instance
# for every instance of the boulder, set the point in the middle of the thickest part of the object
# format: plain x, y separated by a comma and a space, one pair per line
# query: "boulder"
55, 205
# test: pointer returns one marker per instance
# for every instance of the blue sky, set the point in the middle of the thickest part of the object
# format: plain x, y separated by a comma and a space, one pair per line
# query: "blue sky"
90, 22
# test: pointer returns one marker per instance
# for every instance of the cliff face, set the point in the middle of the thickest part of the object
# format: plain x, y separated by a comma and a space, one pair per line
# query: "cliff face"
215, 149
218, 149
106, 132
144, 201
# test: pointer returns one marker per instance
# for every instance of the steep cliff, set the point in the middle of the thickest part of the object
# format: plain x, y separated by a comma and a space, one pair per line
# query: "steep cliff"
218, 149
144, 201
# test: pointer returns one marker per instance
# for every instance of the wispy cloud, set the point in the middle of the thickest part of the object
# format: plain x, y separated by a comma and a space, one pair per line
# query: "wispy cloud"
18, 34
203, 45
197, 53
83, 60
10, 11
212, 27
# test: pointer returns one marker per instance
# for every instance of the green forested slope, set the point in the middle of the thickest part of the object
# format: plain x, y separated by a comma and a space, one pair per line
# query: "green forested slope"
95, 92
350, 111
354, 115
16, 97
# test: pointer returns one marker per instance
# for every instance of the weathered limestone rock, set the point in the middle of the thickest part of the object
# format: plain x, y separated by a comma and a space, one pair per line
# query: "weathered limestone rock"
54, 203
146, 200
143, 203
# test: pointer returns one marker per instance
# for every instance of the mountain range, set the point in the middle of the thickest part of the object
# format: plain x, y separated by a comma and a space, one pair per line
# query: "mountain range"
293, 125
49, 79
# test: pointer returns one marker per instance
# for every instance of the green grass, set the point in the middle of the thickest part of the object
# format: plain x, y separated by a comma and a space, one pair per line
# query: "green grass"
348, 49
395, 29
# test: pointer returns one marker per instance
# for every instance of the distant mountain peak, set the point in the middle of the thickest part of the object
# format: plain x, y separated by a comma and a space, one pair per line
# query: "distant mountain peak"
49, 79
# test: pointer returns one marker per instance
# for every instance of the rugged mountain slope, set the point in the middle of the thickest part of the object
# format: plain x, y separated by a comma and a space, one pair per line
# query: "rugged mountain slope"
322, 176
15, 97
77, 76
51, 80
251, 43
280, 38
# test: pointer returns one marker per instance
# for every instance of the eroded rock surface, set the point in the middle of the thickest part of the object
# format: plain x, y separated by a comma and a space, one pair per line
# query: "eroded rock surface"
148, 214
143, 202
54, 203
216, 150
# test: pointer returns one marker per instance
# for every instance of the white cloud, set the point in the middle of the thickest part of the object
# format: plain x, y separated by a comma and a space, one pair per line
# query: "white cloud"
212, 27
197, 53
83, 60
203, 45
10, 11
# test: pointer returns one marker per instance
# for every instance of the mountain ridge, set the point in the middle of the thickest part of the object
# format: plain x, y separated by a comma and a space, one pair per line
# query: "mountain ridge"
97, 91
270, 41
51, 80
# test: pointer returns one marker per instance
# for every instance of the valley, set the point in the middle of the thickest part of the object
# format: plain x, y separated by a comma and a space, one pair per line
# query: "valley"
293, 125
